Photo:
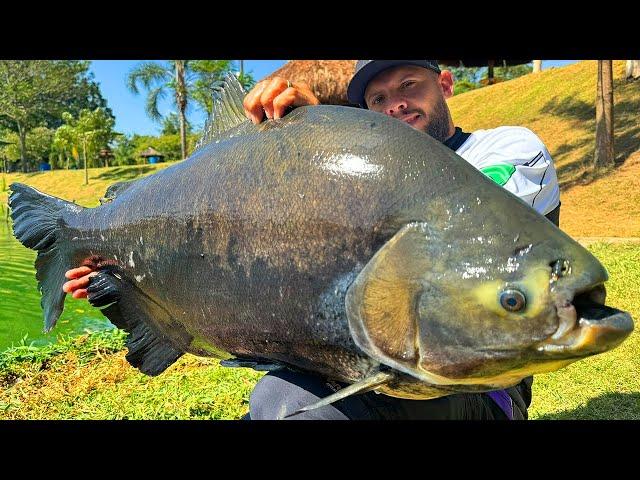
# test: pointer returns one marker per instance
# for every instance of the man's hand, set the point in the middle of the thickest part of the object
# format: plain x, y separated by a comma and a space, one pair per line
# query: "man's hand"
273, 96
78, 281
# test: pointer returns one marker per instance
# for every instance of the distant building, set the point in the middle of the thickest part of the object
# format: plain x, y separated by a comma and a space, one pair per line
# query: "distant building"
152, 155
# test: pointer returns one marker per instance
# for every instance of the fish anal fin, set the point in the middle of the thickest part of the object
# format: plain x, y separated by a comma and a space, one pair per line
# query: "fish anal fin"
128, 308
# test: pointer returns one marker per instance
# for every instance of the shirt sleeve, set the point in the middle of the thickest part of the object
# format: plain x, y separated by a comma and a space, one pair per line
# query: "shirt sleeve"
519, 161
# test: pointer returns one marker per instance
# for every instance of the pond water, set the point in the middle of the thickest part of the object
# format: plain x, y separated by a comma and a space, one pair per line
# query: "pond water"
20, 314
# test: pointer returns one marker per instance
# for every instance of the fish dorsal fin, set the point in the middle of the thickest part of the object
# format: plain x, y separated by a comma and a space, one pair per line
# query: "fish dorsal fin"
227, 113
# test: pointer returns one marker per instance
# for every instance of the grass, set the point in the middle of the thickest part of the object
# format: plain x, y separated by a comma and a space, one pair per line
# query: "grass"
69, 184
88, 377
605, 386
558, 104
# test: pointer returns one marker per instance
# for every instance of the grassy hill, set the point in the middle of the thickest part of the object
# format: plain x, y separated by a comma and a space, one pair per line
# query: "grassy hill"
559, 106
69, 184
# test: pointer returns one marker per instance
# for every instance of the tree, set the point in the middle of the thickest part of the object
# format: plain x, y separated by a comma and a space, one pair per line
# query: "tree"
604, 152
537, 66
158, 79
124, 151
171, 125
34, 93
90, 132
210, 79
185, 80
38, 147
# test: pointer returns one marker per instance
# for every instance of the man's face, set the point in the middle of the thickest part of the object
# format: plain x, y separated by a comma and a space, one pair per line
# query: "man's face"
414, 95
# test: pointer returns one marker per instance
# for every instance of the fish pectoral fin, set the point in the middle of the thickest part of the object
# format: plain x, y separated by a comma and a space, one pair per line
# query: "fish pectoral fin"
151, 350
362, 386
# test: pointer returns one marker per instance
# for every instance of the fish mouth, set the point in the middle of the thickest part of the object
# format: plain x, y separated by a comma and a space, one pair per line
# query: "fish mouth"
586, 325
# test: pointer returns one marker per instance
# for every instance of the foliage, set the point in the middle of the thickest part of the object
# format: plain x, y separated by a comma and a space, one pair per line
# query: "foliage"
209, 79
464, 86
92, 130
470, 78
513, 71
34, 93
39, 141
171, 124
124, 151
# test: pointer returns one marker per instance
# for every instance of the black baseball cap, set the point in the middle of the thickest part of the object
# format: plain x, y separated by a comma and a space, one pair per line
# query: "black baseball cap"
367, 69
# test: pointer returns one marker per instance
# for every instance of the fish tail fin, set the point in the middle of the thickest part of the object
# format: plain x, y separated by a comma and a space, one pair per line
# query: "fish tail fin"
37, 222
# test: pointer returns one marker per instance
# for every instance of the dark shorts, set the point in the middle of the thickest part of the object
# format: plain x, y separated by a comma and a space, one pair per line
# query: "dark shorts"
282, 392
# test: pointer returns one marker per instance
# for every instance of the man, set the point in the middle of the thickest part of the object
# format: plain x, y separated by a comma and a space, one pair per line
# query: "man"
415, 92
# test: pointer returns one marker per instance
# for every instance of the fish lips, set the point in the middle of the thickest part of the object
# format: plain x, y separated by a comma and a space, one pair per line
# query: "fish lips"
587, 326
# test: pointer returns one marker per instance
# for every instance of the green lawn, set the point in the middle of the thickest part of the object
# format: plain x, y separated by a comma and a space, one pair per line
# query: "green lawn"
88, 378
605, 386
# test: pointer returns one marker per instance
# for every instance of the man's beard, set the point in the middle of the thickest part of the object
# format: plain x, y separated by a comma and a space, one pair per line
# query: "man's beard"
438, 126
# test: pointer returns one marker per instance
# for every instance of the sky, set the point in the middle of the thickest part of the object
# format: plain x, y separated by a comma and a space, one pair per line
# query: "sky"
128, 108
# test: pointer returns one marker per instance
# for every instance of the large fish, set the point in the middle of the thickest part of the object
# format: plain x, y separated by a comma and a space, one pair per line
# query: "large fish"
337, 241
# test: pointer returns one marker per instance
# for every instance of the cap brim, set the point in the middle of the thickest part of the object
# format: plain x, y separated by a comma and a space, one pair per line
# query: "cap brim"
359, 82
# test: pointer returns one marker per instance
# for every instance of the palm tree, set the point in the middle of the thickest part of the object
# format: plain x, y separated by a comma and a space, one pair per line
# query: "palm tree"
159, 79
187, 80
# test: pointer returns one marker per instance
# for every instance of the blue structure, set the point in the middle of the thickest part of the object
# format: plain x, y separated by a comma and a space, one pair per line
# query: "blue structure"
44, 166
152, 155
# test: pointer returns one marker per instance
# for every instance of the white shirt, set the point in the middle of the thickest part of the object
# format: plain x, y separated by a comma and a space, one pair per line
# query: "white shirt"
516, 159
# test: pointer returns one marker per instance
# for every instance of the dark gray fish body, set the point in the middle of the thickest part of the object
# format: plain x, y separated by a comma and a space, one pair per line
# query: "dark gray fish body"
337, 241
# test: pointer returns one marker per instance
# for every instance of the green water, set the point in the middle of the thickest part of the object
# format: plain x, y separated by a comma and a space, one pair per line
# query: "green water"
20, 312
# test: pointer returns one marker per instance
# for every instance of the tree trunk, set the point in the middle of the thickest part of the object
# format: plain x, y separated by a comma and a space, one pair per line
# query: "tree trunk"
604, 154
633, 70
181, 102
86, 167
537, 66
490, 72
23, 147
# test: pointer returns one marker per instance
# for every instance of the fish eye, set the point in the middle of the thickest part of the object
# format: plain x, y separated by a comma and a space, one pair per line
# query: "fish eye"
513, 300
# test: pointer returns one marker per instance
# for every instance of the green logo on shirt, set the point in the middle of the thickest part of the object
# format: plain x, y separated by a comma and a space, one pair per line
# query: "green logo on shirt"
499, 173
